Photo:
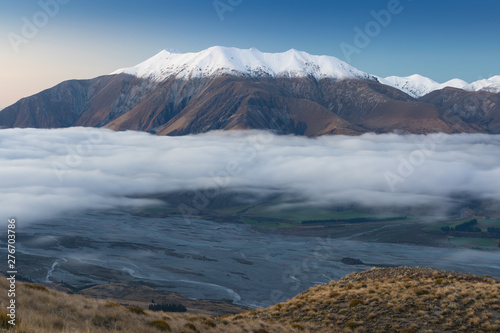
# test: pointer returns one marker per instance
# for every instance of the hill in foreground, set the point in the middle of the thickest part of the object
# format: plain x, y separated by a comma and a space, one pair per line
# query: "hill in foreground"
398, 299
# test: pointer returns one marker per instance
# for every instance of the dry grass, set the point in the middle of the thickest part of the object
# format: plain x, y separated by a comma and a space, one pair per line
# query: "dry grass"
40, 309
399, 299
380, 300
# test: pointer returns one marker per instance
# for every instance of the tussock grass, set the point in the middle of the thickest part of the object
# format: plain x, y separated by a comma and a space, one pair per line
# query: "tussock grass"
136, 310
161, 325
35, 286
4, 320
112, 304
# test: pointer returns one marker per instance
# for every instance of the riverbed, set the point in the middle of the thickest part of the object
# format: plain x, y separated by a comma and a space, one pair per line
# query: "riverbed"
204, 259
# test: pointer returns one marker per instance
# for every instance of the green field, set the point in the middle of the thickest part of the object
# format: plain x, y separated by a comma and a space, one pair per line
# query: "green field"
438, 226
489, 223
258, 214
483, 224
299, 215
157, 210
268, 224
296, 219
473, 242
268, 213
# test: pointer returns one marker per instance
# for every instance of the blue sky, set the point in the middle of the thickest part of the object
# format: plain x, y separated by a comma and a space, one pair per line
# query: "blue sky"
438, 39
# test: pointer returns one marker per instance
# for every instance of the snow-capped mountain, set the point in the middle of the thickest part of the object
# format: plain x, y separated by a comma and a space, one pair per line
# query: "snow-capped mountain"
219, 60
292, 92
492, 85
417, 85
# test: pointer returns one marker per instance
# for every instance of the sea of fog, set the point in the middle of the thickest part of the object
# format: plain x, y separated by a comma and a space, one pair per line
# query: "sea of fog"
46, 173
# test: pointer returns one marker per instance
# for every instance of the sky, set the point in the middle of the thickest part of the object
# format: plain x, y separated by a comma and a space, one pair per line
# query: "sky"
46, 42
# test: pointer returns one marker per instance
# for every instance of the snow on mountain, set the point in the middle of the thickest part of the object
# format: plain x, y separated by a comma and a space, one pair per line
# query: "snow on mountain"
246, 62
220, 60
492, 85
418, 85
454, 83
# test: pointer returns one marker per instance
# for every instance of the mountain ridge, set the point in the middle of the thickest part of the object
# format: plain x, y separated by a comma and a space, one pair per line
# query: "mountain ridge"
219, 60
227, 88
292, 63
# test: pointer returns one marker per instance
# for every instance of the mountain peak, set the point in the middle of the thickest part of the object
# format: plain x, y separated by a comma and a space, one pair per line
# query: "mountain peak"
419, 77
219, 60
172, 51
492, 85
417, 85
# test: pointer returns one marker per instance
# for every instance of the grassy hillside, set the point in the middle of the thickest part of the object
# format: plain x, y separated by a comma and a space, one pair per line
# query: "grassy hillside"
45, 310
396, 300
380, 300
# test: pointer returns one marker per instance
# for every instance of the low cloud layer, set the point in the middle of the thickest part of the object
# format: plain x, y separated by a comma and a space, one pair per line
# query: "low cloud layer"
45, 173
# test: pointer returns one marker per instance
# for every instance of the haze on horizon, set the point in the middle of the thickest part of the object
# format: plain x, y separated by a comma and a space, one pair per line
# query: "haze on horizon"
84, 39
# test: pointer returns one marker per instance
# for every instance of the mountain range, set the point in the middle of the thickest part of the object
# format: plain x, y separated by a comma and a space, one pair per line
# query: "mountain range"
293, 92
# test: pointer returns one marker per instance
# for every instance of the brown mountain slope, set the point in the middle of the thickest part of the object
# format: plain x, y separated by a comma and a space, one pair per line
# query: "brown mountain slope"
231, 103
479, 110
159, 105
302, 106
51, 108
91, 103
379, 108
